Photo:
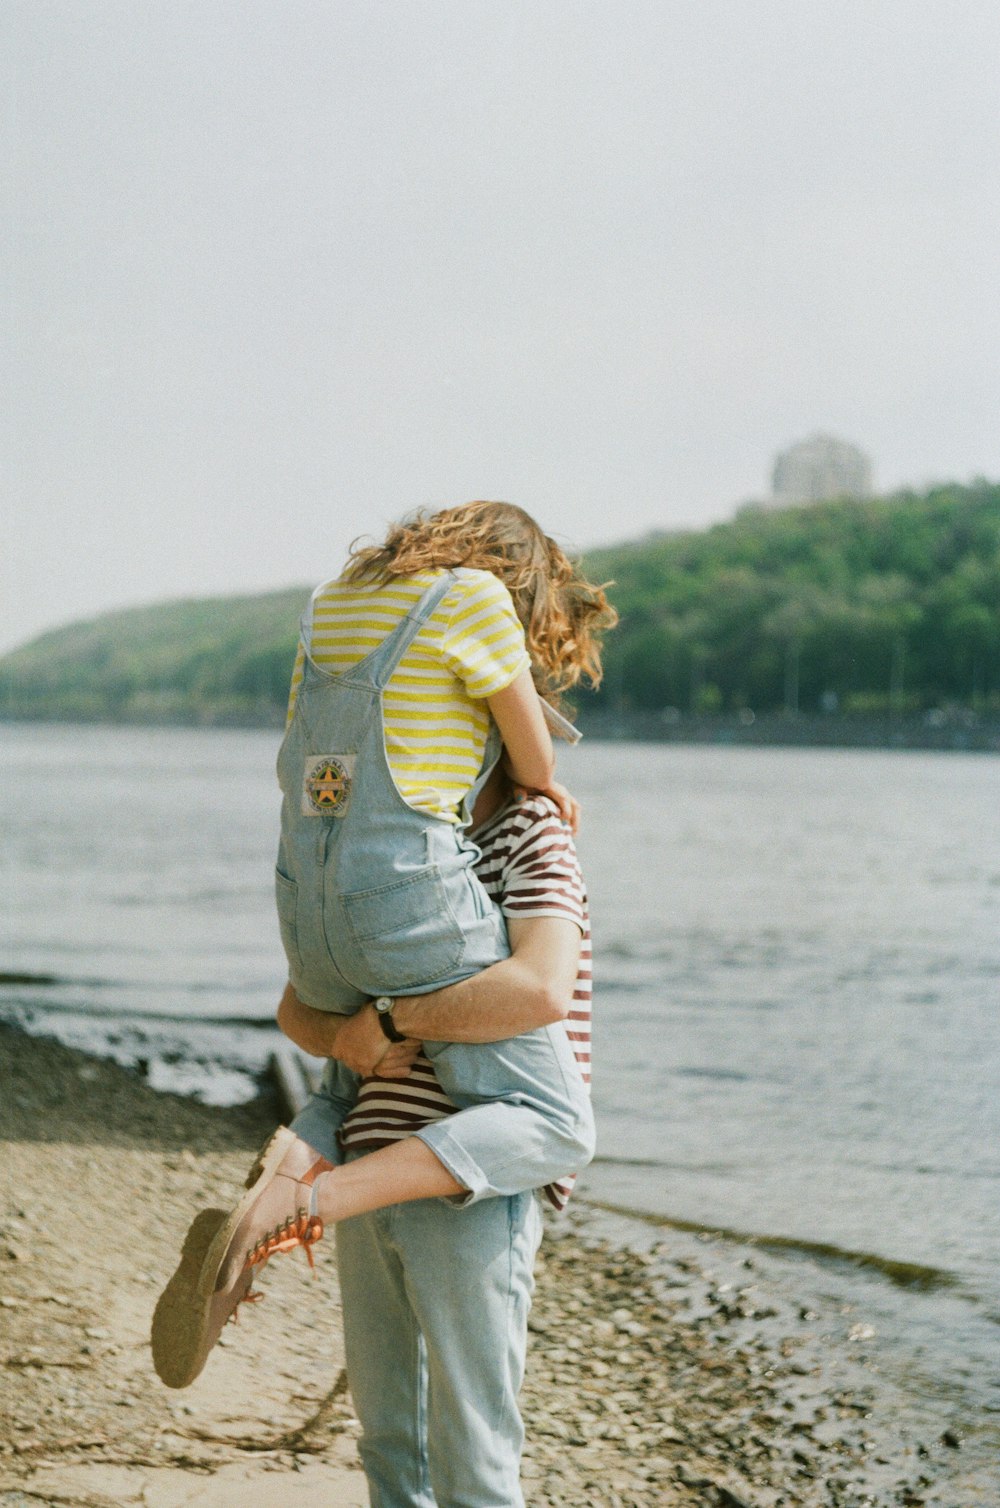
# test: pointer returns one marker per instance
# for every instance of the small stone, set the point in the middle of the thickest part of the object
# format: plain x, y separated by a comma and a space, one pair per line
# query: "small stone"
690, 1477
730, 1499
952, 1439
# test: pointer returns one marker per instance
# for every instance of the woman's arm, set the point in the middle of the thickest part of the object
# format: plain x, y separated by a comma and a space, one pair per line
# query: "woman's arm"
517, 712
533, 987
528, 755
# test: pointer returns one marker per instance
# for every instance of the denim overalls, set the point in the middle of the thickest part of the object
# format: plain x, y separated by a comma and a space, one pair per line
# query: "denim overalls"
377, 898
374, 897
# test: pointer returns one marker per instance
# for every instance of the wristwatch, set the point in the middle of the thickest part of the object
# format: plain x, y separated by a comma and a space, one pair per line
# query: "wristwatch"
383, 1006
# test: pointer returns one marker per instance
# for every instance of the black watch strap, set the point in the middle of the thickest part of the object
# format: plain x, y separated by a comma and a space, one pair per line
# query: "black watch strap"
389, 1026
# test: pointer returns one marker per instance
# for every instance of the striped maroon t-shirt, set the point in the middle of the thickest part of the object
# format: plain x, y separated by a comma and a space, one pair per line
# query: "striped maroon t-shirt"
530, 868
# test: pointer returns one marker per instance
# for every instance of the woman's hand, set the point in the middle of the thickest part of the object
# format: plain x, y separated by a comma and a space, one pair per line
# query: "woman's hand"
569, 807
363, 1047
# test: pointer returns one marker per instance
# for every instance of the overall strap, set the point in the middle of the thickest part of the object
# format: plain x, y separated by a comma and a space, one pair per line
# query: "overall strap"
492, 752
384, 659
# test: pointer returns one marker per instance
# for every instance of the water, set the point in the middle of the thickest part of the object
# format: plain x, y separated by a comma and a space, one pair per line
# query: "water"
798, 974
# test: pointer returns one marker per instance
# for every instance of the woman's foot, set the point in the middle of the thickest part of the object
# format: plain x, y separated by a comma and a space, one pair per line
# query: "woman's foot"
276, 1214
186, 1323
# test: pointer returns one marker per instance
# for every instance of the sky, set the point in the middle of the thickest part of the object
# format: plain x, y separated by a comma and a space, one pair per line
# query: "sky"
278, 274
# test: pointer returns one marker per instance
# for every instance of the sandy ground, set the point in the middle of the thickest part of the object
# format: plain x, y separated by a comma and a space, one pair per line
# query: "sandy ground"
667, 1387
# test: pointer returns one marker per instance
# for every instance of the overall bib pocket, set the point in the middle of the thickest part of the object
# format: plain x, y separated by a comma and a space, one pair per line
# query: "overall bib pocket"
404, 934
286, 894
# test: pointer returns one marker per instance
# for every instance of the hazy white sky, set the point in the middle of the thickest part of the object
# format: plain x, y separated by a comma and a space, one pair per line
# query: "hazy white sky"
282, 272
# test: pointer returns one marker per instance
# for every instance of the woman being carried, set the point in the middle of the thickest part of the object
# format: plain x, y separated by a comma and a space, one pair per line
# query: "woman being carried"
412, 667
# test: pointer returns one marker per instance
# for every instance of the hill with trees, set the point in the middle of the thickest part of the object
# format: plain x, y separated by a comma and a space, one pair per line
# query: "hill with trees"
889, 605
212, 660
862, 606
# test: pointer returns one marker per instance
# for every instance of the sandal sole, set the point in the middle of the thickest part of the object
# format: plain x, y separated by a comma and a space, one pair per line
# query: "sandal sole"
178, 1338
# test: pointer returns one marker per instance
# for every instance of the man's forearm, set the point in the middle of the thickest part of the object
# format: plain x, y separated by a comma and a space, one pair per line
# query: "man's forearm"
314, 1031
531, 988
356, 1041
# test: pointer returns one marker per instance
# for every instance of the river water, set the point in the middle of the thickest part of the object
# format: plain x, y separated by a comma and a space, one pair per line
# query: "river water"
797, 1034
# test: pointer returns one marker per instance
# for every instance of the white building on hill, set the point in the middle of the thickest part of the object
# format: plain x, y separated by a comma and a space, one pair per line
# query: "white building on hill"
819, 468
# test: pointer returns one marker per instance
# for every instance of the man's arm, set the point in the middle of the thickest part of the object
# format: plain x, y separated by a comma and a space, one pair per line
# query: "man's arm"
533, 987
365, 1049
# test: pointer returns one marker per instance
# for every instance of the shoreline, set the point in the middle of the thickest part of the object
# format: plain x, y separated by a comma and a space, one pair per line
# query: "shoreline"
952, 731
958, 730
667, 1368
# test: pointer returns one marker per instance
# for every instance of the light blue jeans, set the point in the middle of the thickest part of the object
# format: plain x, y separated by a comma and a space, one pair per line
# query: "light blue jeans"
436, 1299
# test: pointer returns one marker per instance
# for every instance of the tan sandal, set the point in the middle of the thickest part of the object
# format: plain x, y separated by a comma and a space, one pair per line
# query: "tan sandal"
276, 1214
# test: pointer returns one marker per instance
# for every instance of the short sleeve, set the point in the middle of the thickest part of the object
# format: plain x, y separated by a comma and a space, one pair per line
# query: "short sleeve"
293, 690
542, 875
483, 644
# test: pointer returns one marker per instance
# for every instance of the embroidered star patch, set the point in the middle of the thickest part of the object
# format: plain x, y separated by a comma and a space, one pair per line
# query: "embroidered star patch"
326, 788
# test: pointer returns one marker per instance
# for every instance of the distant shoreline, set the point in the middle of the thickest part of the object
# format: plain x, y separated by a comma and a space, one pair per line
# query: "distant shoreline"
957, 731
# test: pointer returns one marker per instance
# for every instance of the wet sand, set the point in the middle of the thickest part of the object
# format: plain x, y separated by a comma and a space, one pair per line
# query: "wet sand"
657, 1378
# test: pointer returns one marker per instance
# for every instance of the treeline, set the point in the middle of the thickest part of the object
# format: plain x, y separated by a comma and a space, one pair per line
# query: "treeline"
884, 605
891, 605
212, 661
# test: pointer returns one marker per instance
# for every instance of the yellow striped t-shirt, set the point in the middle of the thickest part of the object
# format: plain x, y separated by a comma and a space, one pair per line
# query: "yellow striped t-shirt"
436, 718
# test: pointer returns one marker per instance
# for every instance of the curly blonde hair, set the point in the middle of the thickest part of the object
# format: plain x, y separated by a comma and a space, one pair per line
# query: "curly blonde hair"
562, 613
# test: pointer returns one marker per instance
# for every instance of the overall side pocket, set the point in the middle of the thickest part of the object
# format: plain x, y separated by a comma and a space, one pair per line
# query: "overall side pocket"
286, 895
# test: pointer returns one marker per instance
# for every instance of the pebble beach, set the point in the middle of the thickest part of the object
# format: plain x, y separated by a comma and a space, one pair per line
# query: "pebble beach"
665, 1369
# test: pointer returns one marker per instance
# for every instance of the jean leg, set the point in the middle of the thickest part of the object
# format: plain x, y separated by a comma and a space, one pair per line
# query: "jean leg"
323, 1114
468, 1277
526, 1114
386, 1363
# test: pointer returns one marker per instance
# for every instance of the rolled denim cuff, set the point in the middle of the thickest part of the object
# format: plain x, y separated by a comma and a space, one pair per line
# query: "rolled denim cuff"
453, 1156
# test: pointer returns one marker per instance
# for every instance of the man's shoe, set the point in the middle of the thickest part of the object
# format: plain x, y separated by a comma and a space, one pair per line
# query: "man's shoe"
186, 1324
276, 1214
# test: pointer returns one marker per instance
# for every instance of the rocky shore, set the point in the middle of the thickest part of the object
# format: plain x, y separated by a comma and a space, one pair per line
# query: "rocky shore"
663, 1377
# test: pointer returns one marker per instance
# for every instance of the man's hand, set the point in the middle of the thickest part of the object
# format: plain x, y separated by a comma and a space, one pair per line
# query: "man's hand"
363, 1047
398, 1061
